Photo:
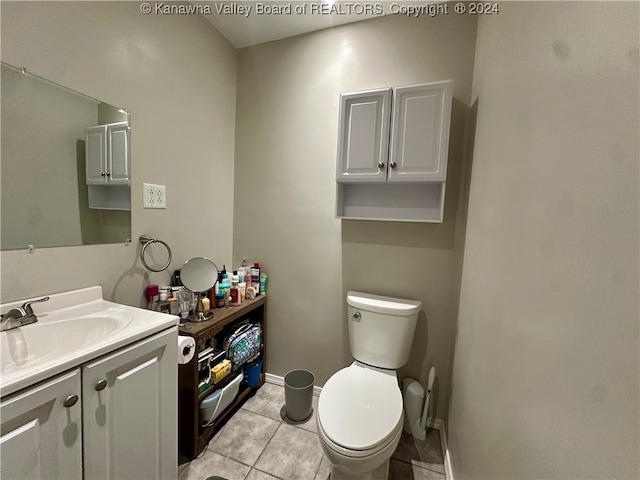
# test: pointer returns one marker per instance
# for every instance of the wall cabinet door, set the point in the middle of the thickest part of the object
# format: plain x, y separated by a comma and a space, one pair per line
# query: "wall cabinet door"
129, 411
42, 431
96, 155
420, 132
118, 160
363, 137
107, 156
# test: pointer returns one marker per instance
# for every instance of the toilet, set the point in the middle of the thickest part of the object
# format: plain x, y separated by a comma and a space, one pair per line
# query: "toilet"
360, 414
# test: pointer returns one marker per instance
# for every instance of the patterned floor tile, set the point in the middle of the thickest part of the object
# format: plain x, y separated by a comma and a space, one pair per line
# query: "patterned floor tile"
404, 471
292, 454
211, 464
422, 453
267, 401
244, 437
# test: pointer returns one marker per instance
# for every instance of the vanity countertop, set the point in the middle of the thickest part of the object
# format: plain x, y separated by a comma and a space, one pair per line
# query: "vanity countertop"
72, 328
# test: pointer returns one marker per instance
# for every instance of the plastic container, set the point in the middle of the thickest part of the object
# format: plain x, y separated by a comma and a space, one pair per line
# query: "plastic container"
219, 299
252, 373
213, 405
298, 394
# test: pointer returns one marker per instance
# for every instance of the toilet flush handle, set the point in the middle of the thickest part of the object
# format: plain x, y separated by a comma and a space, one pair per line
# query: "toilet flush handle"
356, 315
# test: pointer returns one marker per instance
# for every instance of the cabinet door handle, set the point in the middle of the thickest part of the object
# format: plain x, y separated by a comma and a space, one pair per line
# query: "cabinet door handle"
392, 164
381, 165
70, 401
101, 385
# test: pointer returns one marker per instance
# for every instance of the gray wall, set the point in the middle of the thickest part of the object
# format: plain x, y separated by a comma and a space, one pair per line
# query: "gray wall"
177, 76
545, 380
286, 143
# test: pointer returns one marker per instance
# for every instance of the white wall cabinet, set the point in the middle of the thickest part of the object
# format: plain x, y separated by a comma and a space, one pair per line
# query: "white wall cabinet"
392, 153
107, 154
42, 431
130, 406
108, 166
119, 422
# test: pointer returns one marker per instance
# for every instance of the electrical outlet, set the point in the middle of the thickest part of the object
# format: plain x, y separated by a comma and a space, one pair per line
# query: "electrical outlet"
154, 196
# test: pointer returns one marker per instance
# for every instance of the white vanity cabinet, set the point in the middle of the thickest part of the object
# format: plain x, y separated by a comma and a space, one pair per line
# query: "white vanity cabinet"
42, 431
107, 154
130, 405
392, 153
114, 417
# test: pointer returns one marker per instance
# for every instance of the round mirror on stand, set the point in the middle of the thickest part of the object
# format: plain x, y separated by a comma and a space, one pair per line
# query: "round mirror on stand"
199, 275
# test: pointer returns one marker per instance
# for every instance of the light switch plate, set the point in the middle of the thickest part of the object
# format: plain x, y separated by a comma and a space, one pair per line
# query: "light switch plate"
154, 196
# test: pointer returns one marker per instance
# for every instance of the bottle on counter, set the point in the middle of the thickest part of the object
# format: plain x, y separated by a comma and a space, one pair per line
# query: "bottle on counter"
235, 291
263, 284
255, 276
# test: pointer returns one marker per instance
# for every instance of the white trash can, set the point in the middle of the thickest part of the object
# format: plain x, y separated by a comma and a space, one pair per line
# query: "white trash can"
413, 395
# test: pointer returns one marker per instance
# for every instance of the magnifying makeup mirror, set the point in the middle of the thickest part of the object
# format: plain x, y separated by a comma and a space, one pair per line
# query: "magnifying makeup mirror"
199, 275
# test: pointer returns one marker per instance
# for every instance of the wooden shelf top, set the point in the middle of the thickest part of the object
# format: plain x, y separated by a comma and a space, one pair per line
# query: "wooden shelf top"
222, 316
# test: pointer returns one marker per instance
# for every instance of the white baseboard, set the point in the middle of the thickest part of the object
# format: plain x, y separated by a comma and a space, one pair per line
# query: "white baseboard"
445, 450
278, 380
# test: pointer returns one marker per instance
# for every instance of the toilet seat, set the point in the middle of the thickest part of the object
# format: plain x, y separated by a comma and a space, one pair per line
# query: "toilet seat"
360, 409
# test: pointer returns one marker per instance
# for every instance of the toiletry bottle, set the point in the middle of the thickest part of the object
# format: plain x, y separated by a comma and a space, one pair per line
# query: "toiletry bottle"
206, 304
242, 286
152, 294
244, 270
235, 291
255, 276
222, 273
263, 284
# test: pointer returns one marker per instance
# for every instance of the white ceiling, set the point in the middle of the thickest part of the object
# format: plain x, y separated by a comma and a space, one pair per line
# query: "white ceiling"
243, 30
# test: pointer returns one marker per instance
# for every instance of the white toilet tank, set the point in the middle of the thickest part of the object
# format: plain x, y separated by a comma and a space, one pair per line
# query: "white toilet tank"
381, 328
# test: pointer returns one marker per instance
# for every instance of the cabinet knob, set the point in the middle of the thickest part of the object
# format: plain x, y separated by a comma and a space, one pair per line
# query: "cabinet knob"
356, 315
70, 401
108, 174
102, 174
101, 385
392, 164
381, 165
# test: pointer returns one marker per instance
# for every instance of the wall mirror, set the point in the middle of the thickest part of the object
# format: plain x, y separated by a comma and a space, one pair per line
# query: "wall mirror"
66, 163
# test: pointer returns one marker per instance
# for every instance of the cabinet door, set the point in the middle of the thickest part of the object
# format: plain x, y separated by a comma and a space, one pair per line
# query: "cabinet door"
118, 158
130, 401
41, 431
363, 136
420, 132
96, 155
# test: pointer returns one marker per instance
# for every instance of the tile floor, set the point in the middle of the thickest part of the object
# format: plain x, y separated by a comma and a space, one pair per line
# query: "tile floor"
255, 444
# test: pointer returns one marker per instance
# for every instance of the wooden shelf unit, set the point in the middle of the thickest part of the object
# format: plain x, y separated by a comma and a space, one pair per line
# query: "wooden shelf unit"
192, 436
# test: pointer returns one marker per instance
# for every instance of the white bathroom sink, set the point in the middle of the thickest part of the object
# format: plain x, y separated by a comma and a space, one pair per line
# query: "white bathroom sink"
72, 328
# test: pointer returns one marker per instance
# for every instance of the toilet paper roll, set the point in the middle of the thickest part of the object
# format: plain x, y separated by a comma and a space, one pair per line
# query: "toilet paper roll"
186, 349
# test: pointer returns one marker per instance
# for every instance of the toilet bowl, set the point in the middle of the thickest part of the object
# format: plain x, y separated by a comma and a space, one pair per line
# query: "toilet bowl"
360, 411
360, 419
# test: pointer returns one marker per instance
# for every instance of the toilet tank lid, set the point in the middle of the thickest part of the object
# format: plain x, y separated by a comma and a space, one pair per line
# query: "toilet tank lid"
381, 304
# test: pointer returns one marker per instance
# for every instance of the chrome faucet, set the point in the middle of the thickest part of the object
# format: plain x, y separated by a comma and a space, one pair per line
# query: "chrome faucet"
18, 317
